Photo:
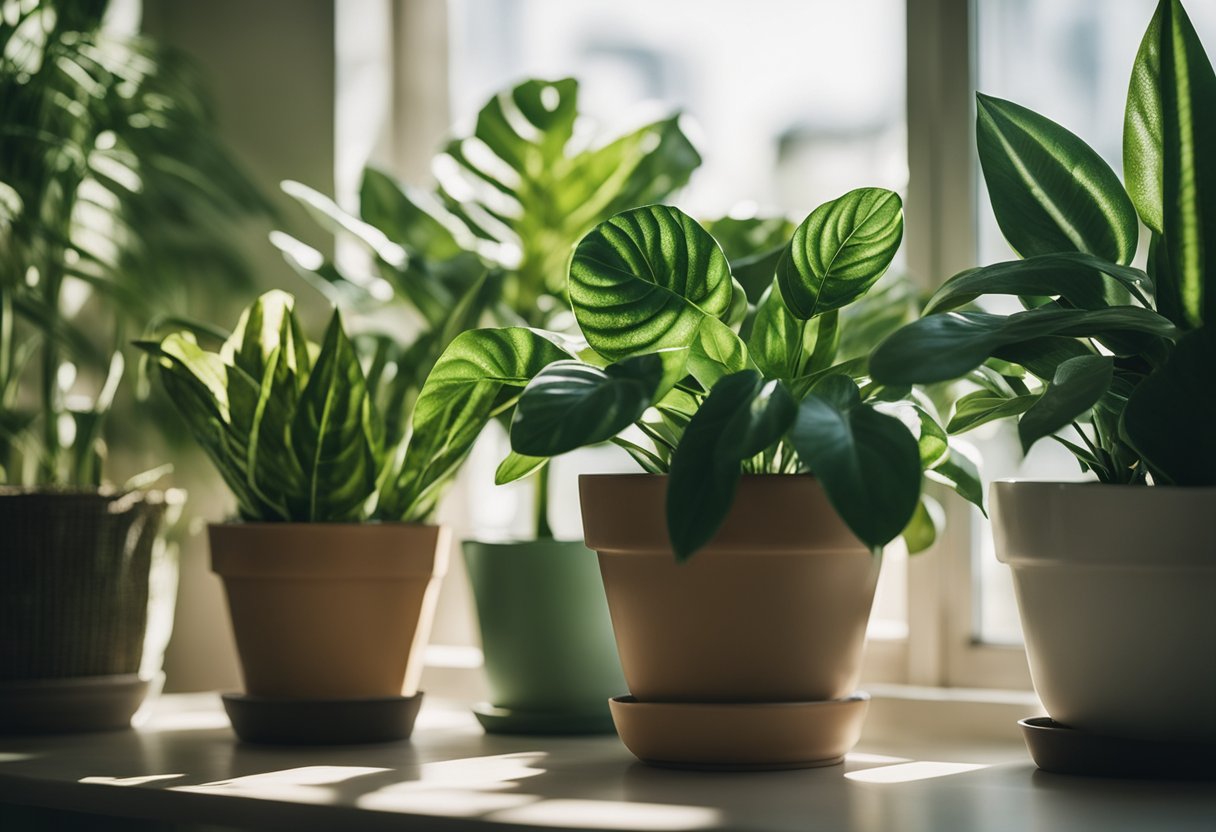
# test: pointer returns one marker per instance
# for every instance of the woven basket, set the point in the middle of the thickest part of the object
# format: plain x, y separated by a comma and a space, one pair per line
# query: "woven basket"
74, 572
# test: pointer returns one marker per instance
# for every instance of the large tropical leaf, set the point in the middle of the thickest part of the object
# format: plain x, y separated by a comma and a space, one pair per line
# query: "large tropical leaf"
649, 279
868, 462
571, 404
1050, 191
1077, 386
1168, 134
949, 345
480, 374
334, 436
743, 415
840, 250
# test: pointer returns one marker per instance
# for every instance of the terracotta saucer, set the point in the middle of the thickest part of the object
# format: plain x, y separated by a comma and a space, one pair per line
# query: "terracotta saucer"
740, 736
274, 721
78, 704
1063, 750
497, 720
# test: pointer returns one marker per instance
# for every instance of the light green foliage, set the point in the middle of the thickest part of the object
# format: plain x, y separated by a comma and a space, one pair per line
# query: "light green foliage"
114, 190
1121, 355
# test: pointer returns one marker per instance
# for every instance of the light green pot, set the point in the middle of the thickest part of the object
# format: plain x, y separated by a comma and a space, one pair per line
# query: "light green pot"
550, 654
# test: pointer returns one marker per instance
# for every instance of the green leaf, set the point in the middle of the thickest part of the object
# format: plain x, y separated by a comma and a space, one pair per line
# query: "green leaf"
517, 466
867, 461
258, 334
394, 209
742, 416
1077, 386
571, 405
777, 337
926, 524
982, 407
949, 345
1168, 133
479, 375
960, 472
1050, 191
274, 471
715, 351
645, 280
754, 247
332, 435
1169, 417
1085, 281
1041, 356
840, 250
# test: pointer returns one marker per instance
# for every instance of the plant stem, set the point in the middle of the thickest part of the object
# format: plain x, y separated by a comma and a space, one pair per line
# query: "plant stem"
49, 465
543, 531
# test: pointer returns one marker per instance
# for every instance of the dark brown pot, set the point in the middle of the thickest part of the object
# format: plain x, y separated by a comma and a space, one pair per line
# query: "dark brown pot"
327, 610
773, 609
74, 582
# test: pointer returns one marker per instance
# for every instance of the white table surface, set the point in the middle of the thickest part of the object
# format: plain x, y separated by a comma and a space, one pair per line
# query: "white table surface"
184, 764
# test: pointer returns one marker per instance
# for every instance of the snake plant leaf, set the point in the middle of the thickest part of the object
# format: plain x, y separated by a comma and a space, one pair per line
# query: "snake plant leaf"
982, 407
1085, 281
480, 374
743, 415
334, 436
259, 332
273, 469
571, 404
1050, 191
646, 280
1169, 416
1169, 130
517, 466
868, 462
949, 345
840, 251
1077, 386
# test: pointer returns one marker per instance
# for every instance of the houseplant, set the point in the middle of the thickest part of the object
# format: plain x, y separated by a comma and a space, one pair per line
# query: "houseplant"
745, 656
488, 244
1109, 576
111, 178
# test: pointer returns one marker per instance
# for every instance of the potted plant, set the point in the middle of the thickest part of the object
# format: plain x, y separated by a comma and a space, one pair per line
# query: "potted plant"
487, 245
111, 178
1110, 576
748, 654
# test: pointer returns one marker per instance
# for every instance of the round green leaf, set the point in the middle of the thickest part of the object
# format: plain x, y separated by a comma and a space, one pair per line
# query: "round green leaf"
840, 250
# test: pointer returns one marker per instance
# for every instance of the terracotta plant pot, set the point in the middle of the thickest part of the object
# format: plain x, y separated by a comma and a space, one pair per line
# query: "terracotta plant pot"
1116, 588
550, 657
772, 610
74, 603
330, 611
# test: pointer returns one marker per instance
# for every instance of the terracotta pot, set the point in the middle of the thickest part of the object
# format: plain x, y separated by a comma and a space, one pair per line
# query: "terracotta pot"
1116, 588
323, 610
550, 657
773, 609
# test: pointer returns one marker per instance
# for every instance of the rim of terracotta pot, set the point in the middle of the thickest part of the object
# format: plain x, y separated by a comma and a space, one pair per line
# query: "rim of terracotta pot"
758, 523
323, 551
1102, 524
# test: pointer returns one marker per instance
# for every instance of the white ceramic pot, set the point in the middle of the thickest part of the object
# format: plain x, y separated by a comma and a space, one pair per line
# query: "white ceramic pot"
1116, 586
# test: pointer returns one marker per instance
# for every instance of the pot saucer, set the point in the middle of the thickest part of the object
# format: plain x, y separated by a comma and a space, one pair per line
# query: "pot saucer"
745, 736
1063, 750
516, 721
274, 721
73, 704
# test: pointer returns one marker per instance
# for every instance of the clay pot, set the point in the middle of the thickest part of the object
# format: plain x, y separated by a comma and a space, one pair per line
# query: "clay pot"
773, 609
1115, 587
550, 657
327, 610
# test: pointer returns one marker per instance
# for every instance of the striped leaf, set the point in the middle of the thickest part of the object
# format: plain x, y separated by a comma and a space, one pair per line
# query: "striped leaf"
840, 250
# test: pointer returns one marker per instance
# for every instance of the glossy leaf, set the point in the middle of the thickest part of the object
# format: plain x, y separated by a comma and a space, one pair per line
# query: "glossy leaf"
645, 280
982, 407
742, 416
1050, 191
1169, 130
867, 461
1170, 416
946, 346
570, 404
333, 436
925, 526
840, 250
753, 246
1077, 386
1085, 281
960, 472
480, 374
517, 466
